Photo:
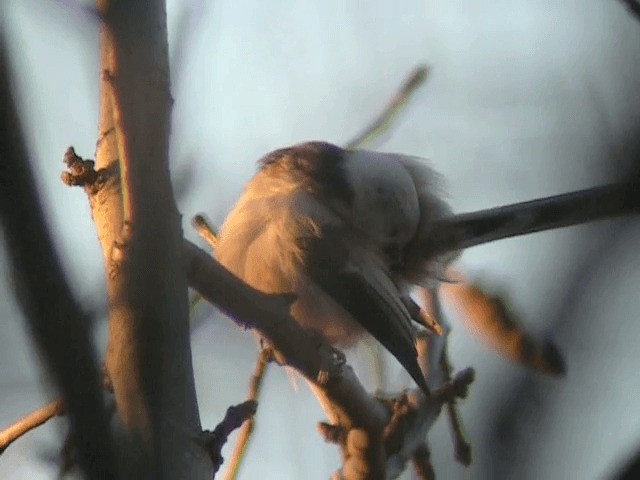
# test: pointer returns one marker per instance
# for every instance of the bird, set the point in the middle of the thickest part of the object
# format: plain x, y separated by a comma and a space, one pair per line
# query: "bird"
351, 232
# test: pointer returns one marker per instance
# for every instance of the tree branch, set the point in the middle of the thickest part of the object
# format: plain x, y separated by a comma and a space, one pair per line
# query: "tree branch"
422, 463
262, 363
214, 440
29, 422
461, 448
360, 423
149, 353
633, 7
333, 381
59, 327
382, 123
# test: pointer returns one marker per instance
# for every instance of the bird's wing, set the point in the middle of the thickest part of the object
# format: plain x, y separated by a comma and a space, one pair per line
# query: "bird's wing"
363, 288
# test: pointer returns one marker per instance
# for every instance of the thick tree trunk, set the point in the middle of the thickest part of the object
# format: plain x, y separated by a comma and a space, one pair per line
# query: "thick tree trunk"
149, 353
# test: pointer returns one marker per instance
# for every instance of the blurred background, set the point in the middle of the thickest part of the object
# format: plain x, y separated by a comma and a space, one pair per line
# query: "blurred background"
524, 99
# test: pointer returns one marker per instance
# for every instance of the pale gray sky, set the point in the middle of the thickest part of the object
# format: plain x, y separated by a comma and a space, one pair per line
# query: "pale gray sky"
525, 99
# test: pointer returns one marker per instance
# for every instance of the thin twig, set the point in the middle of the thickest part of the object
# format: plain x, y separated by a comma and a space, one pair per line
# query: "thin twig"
206, 229
382, 123
422, 463
411, 416
210, 235
214, 440
461, 448
29, 422
248, 428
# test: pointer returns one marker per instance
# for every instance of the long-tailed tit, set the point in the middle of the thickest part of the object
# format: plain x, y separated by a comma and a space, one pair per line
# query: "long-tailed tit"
350, 232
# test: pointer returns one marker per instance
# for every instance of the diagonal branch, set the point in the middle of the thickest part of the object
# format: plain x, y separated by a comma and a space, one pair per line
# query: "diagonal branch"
361, 423
399, 100
309, 354
266, 355
214, 440
29, 422
633, 6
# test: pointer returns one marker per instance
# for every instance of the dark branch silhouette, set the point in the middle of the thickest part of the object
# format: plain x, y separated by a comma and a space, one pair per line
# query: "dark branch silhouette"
59, 327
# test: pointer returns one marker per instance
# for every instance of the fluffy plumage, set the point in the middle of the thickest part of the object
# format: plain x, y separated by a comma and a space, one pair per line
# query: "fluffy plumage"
350, 231
340, 229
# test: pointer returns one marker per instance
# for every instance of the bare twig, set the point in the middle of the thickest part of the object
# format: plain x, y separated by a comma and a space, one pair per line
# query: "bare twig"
214, 440
382, 123
266, 355
206, 230
422, 463
29, 422
461, 447
412, 415
209, 234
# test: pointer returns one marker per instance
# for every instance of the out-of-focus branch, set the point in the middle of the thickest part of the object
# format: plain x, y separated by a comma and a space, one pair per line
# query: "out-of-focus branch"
628, 471
29, 422
633, 6
491, 321
382, 123
59, 327
422, 463
461, 447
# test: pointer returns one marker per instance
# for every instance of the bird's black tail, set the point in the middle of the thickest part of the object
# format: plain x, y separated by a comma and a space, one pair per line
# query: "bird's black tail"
469, 229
